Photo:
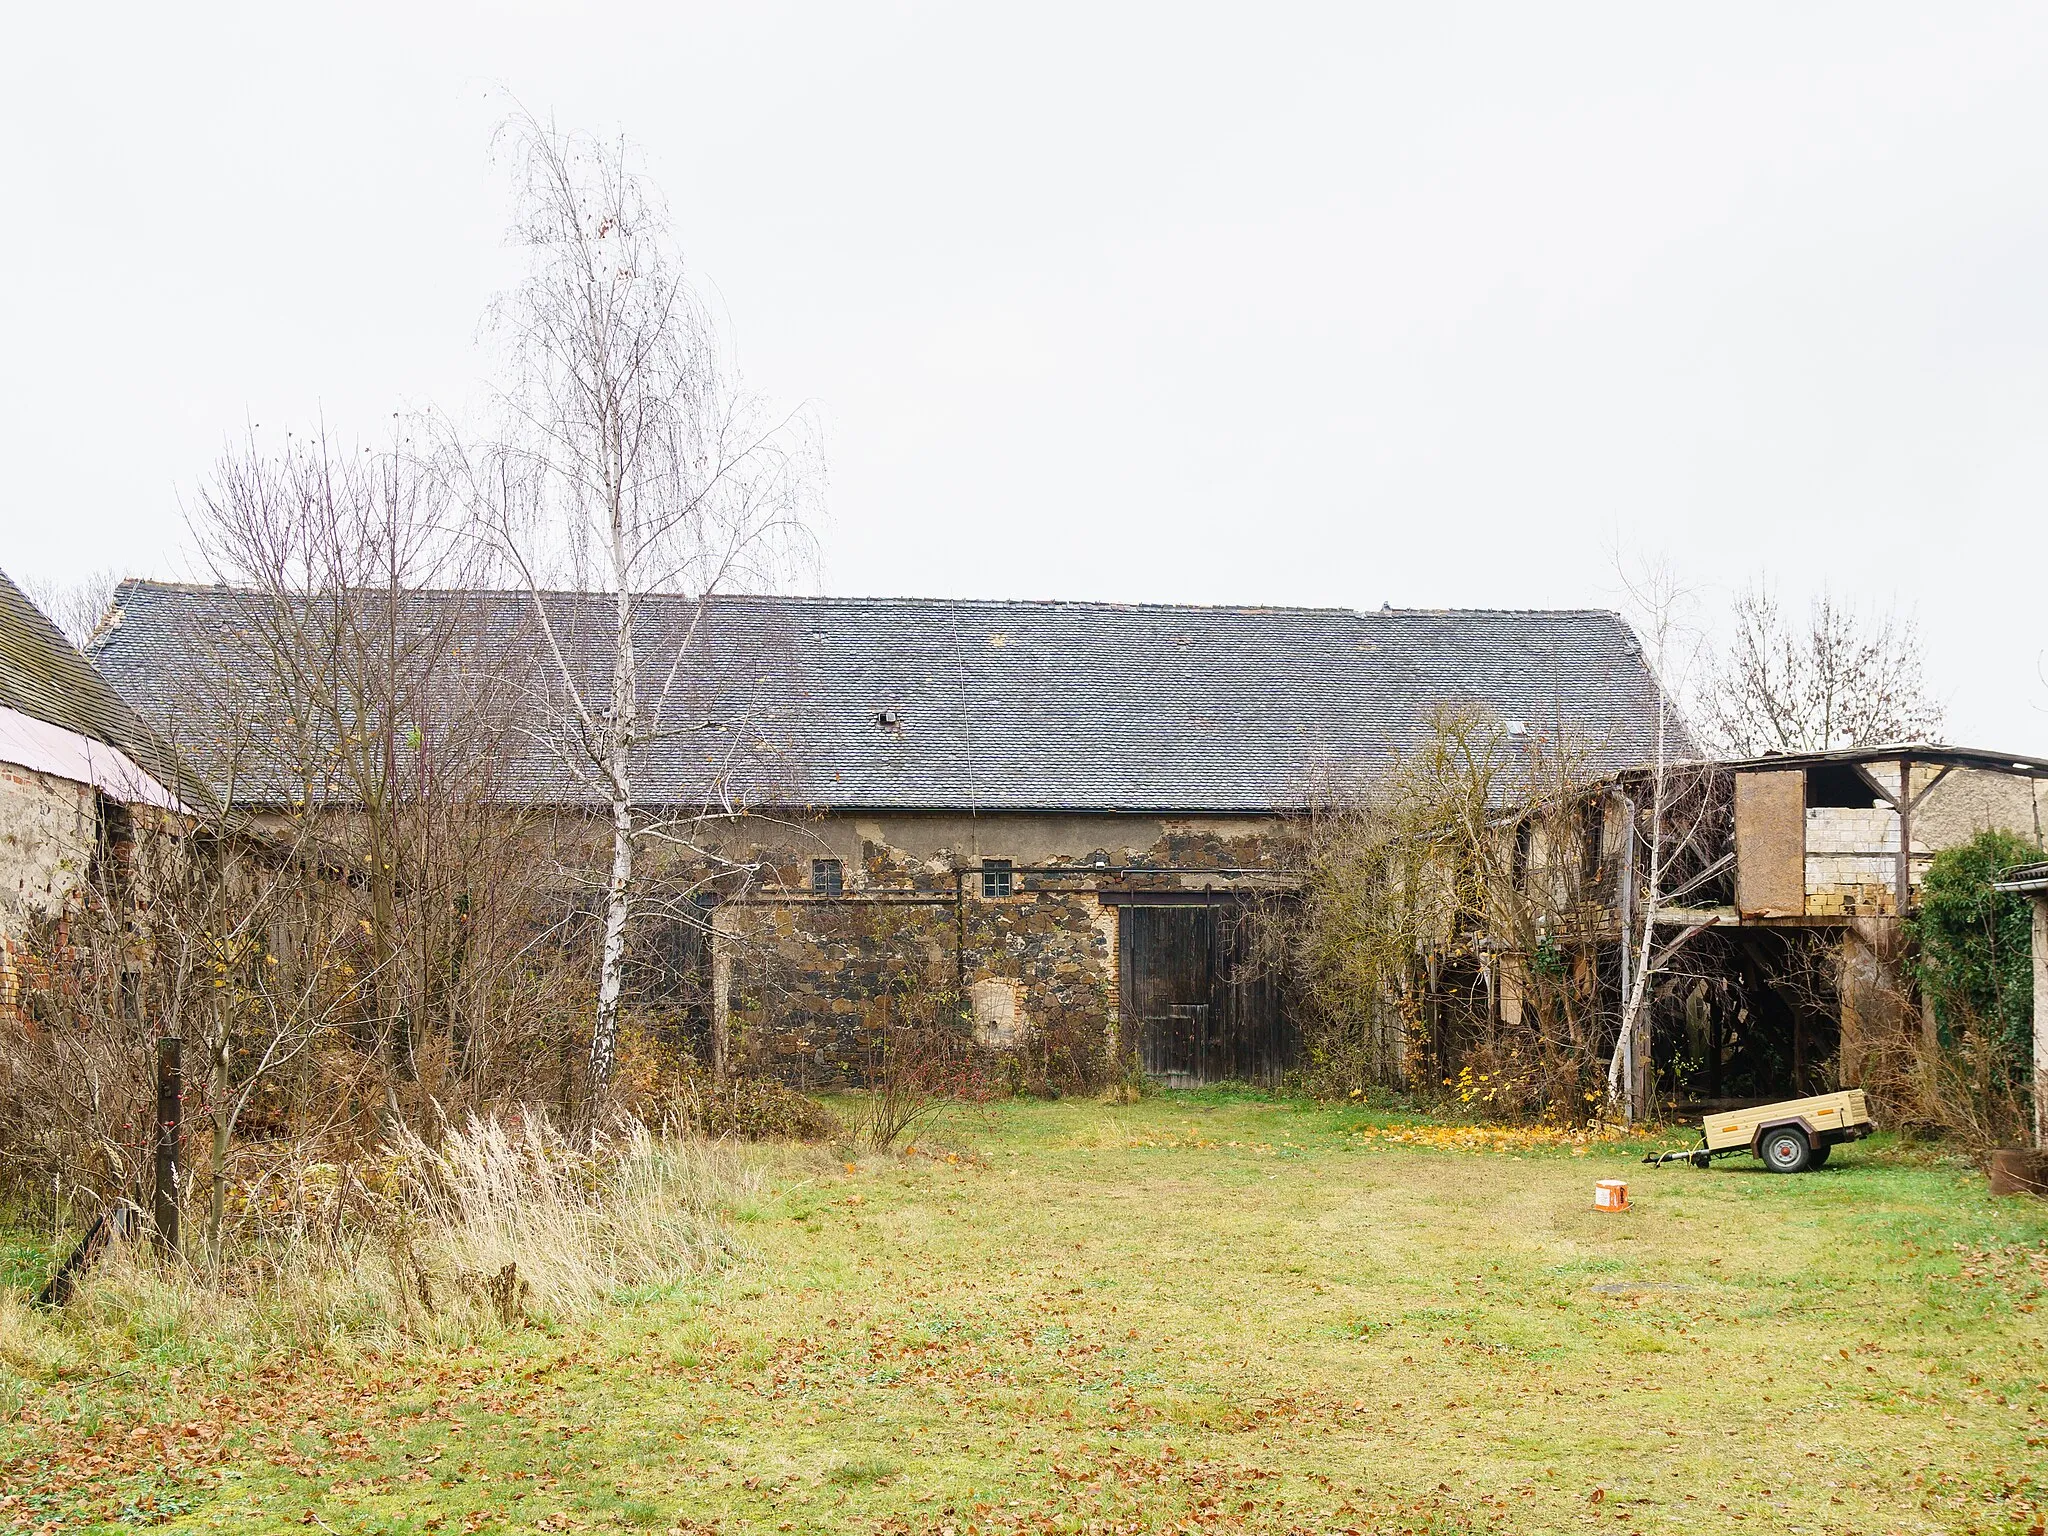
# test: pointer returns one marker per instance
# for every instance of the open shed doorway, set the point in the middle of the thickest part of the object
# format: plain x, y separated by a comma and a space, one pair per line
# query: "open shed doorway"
1198, 1007
1749, 1016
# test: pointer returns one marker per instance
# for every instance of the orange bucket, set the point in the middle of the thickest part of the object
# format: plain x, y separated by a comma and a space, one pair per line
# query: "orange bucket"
1610, 1195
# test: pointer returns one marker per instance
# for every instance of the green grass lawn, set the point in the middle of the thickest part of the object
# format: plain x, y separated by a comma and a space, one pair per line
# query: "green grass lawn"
1204, 1312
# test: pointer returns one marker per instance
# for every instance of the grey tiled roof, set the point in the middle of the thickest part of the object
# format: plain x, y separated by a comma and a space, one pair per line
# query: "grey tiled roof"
904, 703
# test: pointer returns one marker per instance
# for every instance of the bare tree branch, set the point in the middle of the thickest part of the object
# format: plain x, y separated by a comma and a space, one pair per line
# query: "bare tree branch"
78, 607
1842, 679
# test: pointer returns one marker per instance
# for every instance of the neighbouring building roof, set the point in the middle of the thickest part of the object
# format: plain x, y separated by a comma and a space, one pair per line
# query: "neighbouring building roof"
915, 703
59, 716
1932, 753
2027, 880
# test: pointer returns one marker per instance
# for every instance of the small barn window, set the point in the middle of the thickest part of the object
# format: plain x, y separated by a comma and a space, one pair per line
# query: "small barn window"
828, 877
996, 877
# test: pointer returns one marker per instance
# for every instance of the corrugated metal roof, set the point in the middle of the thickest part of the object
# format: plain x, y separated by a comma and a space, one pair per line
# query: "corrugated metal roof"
906, 703
66, 754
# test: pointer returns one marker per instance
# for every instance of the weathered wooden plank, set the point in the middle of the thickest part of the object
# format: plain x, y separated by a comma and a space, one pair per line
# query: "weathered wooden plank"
1770, 843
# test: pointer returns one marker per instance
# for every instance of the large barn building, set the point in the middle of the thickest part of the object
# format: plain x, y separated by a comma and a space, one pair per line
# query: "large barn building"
1058, 808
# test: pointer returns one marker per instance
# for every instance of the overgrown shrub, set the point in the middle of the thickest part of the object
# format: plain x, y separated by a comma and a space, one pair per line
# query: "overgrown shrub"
658, 1082
1498, 1081
1976, 946
1445, 937
1352, 942
751, 1109
1975, 971
920, 1058
1067, 1053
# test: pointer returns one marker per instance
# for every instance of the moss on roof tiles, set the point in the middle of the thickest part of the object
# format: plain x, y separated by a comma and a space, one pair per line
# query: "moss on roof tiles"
43, 675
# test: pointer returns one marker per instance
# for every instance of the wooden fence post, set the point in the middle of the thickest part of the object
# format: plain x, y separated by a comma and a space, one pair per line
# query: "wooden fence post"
170, 1115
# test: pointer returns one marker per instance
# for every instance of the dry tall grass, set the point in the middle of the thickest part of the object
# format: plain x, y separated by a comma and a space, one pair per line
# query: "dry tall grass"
495, 1225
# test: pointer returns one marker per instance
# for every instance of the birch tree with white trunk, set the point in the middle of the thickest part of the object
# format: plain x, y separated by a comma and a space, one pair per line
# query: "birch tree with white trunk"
1669, 829
628, 461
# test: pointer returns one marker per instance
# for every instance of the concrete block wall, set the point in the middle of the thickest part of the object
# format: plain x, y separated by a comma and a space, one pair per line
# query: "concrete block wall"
1852, 853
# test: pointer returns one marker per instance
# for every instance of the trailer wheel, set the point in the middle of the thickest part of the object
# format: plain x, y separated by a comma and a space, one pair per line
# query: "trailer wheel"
1786, 1150
1819, 1158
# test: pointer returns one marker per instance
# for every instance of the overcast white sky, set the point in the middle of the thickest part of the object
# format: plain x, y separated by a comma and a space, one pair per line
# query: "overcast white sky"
1431, 305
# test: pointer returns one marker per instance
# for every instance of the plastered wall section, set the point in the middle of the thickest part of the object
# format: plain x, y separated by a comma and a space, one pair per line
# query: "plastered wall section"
48, 828
1771, 879
921, 849
1970, 801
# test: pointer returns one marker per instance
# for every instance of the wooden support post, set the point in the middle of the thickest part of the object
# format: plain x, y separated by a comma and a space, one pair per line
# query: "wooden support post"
1902, 900
1717, 1028
2041, 1022
721, 992
960, 944
1903, 873
220, 1061
1860, 998
1799, 1085
170, 1116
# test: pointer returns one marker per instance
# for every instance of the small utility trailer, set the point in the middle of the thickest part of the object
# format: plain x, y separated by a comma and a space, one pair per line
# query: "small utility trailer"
1790, 1136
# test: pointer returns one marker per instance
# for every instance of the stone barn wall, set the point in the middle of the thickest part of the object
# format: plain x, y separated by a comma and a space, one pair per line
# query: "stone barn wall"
801, 979
811, 981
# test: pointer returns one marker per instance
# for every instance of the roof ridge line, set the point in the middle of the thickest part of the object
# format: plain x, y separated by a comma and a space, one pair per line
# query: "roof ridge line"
829, 600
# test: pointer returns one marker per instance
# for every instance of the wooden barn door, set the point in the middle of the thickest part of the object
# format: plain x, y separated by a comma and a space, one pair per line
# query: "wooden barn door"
1191, 1000
1167, 988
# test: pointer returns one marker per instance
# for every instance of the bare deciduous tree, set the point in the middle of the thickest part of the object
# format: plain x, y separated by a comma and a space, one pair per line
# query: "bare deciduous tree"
176, 933
355, 677
1842, 679
76, 607
629, 461
382, 711
1643, 885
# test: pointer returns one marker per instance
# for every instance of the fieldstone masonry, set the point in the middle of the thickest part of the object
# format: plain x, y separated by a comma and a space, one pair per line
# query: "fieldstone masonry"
808, 979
